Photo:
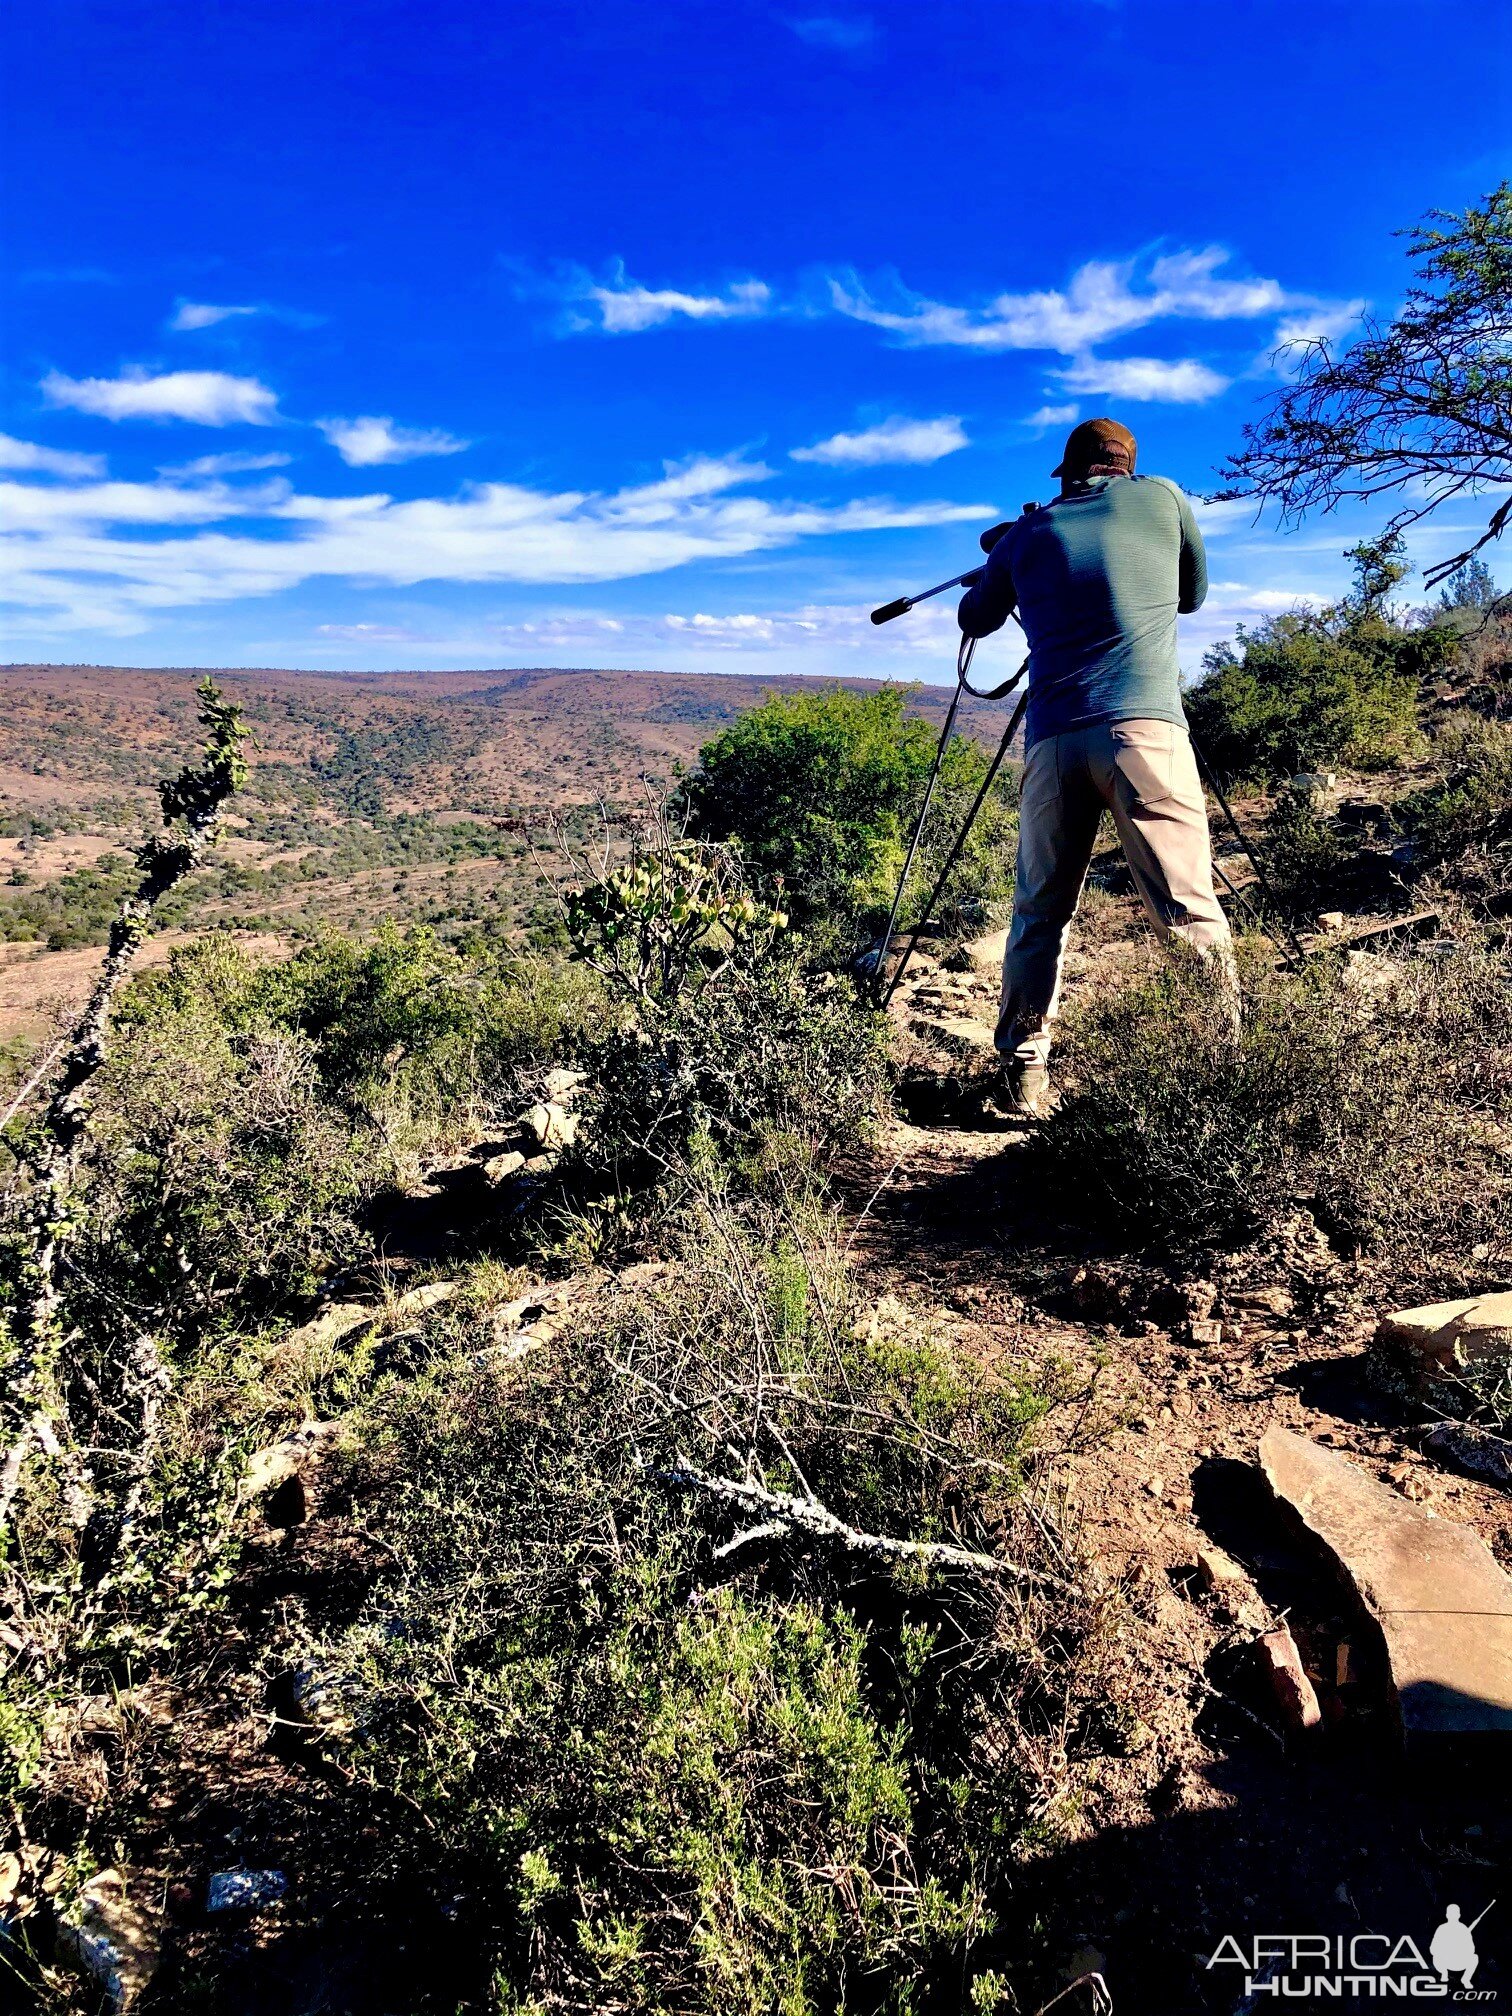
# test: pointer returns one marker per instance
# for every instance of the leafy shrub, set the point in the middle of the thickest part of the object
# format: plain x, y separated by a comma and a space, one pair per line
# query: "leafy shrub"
1311, 863
404, 1008
819, 790
220, 1183
1305, 691
721, 1037
1471, 806
673, 1763
1377, 1095
401, 1027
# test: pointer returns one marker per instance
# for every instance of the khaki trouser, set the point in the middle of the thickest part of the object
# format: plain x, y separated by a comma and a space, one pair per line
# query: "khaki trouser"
1146, 774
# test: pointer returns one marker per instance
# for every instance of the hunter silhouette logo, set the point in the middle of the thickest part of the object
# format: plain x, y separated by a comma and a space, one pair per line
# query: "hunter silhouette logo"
1452, 1948
1293, 1966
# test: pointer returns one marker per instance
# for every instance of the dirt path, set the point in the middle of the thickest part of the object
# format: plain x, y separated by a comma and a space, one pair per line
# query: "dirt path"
1215, 1821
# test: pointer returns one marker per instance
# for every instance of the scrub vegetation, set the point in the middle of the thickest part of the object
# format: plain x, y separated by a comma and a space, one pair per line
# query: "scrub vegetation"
461, 1453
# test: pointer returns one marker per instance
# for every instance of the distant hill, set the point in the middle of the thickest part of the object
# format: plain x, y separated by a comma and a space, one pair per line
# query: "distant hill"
373, 794
502, 741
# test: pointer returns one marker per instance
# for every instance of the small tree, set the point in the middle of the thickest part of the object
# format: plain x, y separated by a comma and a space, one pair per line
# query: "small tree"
1315, 687
33, 1380
818, 789
1421, 406
1469, 587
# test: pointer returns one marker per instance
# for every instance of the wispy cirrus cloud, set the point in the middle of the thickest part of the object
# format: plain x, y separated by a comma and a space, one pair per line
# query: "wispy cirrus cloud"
112, 555
209, 398
891, 441
373, 439
188, 315
1103, 299
37, 460
1054, 416
620, 306
1324, 323
225, 465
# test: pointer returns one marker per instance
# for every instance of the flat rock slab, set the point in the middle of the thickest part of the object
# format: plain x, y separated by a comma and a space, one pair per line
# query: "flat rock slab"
957, 1035
1442, 1604
1448, 1333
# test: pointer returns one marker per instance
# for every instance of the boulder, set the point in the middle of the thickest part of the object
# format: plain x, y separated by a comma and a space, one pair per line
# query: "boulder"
1442, 1335
282, 1476
957, 1035
551, 1126
334, 1325
500, 1168
1435, 1594
420, 1301
986, 954
245, 1889
111, 1935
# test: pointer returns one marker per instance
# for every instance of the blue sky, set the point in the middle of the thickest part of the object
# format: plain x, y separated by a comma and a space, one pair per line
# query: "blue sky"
669, 335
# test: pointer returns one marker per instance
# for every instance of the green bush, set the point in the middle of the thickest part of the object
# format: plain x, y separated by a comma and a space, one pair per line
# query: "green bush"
220, 1183
1471, 804
1308, 691
1376, 1094
820, 789
666, 1766
403, 1029
719, 1036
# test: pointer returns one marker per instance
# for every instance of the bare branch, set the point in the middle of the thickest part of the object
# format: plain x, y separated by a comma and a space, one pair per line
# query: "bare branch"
807, 1515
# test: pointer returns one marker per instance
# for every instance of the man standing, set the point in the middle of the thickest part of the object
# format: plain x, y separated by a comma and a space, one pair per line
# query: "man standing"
1098, 578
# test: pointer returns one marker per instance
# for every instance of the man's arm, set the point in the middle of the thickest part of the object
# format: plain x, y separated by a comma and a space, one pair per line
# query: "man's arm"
988, 604
1194, 573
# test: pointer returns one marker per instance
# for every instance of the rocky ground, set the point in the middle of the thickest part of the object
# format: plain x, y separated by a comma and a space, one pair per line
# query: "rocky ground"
1256, 1782
1226, 1815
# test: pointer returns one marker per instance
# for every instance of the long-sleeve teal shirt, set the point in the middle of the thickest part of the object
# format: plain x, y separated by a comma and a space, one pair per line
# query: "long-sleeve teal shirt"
1098, 578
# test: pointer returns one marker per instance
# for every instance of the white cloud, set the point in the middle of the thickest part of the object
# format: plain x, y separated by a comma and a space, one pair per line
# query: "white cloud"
28, 455
927, 637
835, 31
78, 549
1323, 323
374, 439
1180, 381
204, 315
624, 307
1054, 416
211, 398
225, 465
1104, 298
895, 440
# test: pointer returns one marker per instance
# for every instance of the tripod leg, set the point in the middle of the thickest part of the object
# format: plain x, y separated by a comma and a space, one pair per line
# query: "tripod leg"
960, 841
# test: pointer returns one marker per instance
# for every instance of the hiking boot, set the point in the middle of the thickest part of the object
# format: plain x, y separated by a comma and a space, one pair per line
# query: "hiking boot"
1024, 1088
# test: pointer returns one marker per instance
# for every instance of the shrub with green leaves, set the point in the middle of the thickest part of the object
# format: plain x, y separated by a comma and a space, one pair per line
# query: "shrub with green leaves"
1306, 691
819, 790
671, 1761
1470, 806
1377, 1094
220, 1181
719, 1036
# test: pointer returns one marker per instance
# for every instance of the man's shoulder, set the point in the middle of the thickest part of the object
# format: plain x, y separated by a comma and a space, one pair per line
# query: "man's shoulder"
1151, 485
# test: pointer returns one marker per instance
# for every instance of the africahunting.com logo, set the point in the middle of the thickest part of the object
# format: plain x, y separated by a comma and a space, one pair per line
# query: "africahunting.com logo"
1299, 1966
